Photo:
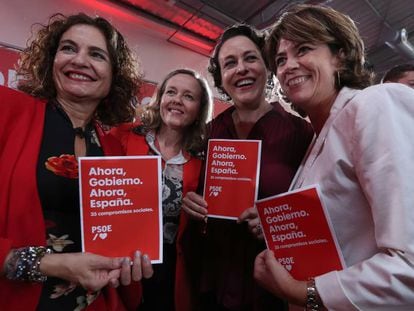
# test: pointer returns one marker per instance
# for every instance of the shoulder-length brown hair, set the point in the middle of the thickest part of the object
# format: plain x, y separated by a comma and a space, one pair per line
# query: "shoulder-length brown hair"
323, 25
36, 66
195, 135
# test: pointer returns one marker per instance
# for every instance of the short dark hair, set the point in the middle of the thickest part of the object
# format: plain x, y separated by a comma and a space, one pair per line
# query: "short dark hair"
236, 30
36, 66
324, 25
397, 72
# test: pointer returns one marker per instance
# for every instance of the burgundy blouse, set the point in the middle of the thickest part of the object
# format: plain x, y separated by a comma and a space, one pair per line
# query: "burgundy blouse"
229, 249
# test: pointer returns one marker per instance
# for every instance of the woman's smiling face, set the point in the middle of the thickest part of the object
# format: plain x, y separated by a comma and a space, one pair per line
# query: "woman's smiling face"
306, 72
181, 101
82, 68
243, 71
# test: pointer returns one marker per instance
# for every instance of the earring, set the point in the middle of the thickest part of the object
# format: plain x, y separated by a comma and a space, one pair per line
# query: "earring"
338, 79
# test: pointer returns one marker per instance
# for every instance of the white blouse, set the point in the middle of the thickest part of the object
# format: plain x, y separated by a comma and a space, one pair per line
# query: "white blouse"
363, 160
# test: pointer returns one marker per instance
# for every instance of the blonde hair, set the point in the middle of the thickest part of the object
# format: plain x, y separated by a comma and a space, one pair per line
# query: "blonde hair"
195, 135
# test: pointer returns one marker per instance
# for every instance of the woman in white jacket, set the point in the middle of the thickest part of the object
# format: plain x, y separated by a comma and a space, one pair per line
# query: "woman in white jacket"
362, 158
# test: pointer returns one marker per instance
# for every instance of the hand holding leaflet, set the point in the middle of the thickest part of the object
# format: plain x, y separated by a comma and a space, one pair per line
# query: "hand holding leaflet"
231, 179
298, 230
121, 205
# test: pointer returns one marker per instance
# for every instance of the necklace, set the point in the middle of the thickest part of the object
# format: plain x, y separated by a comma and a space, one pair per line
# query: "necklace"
79, 132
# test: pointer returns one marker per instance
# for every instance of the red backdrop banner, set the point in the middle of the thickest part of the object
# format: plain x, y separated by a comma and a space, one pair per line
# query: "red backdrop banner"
8, 61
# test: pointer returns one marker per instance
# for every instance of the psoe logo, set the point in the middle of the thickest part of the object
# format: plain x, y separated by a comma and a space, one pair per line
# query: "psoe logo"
287, 262
214, 191
101, 232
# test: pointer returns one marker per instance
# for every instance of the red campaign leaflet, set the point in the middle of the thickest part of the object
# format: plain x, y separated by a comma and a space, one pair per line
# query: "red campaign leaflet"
298, 230
121, 205
232, 174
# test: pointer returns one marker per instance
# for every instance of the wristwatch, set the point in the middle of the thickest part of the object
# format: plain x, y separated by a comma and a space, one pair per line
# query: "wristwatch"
313, 301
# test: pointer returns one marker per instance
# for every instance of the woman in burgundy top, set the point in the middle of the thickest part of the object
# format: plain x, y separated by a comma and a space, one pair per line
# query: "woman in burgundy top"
225, 271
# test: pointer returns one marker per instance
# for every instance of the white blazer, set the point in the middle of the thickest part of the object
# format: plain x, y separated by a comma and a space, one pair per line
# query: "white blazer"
363, 160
